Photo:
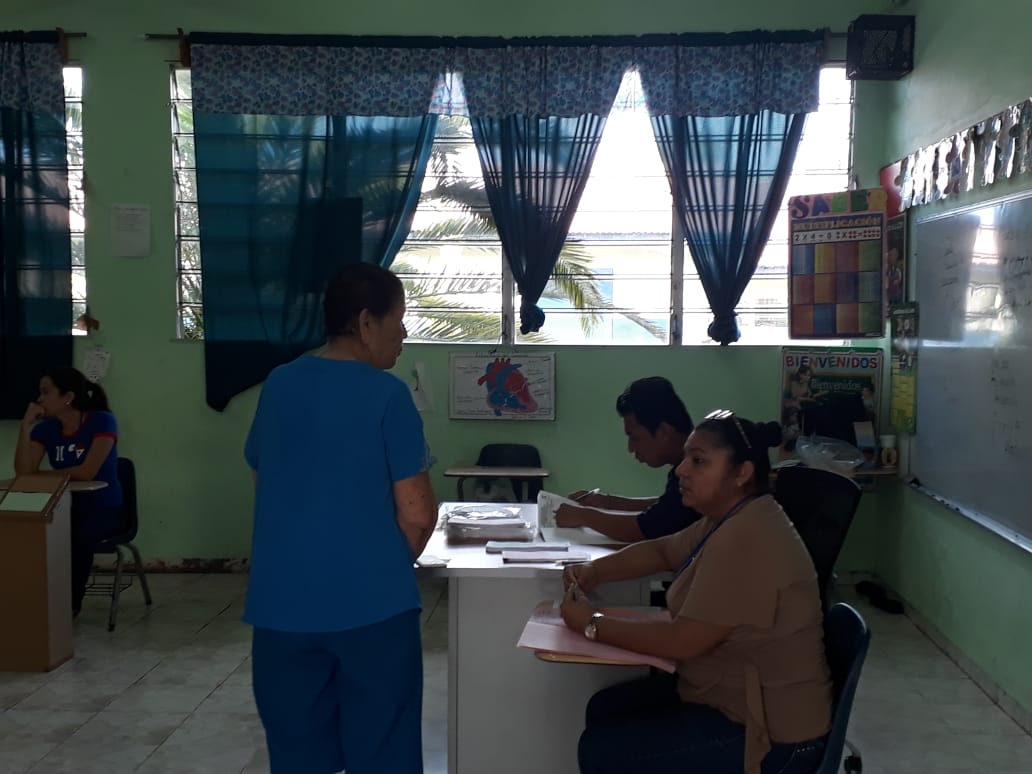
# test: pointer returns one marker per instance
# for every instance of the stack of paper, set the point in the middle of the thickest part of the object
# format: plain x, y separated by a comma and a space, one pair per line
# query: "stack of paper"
544, 557
497, 546
480, 523
546, 631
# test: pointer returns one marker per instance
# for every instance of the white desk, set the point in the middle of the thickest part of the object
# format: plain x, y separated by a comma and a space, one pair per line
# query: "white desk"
509, 712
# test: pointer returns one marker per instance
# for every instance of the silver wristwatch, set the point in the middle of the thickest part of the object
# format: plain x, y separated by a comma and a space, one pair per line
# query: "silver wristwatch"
591, 629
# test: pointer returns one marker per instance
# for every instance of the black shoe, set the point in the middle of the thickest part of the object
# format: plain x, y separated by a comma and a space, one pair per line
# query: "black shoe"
879, 597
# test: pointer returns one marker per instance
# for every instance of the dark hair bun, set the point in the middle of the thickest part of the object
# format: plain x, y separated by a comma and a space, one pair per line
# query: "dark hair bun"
768, 434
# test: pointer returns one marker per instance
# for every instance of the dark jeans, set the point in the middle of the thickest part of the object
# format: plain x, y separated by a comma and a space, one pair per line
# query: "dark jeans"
89, 527
643, 727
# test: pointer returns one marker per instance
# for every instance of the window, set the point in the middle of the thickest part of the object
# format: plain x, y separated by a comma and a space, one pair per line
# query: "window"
622, 277
613, 283
189, 318
77, 204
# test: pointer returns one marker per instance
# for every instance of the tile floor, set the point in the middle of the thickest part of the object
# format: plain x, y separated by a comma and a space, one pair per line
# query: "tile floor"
169, 691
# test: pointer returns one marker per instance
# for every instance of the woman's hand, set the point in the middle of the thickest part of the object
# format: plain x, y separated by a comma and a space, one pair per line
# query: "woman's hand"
582, 577
33, 413
576, 610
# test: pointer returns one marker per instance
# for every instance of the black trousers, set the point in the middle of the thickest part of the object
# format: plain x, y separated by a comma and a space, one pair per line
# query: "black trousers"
90, 525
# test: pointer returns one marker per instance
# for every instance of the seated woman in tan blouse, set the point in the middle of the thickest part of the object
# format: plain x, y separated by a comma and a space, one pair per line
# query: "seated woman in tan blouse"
752, 691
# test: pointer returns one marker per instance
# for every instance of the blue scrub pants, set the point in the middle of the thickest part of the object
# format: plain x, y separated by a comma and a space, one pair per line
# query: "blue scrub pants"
349, 700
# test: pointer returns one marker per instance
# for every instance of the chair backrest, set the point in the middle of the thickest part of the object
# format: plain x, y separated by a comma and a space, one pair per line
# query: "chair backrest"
821, 505
520, 455
846, 639
127, 478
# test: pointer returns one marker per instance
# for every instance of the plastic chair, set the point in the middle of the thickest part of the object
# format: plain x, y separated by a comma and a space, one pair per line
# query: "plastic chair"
821, 505
846, 639
116, 544
519, 455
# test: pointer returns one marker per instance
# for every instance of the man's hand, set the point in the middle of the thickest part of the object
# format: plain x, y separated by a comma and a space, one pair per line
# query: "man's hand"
569, 516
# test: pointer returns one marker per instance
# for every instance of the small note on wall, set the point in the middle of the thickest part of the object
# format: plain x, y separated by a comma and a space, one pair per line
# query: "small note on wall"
130, 230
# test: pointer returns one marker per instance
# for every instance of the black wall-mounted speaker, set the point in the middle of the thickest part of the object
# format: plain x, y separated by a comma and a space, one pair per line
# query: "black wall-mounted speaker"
880, 47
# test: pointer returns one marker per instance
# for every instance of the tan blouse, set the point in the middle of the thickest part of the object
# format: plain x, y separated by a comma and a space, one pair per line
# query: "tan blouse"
755, 575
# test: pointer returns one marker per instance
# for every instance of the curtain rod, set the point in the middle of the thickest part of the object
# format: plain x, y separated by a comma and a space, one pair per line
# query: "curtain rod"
178, 35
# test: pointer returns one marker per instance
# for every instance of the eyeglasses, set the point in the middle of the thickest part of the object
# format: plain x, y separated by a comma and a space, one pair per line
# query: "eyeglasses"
723, 414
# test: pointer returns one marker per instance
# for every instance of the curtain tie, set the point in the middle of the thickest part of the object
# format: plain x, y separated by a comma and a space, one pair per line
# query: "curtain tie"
531, 318
724, 328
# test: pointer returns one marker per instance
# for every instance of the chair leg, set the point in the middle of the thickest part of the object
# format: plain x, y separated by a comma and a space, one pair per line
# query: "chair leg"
140, 573
853, 763
116, 590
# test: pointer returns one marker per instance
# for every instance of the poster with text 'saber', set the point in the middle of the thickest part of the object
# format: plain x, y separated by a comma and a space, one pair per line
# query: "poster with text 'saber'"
836, 284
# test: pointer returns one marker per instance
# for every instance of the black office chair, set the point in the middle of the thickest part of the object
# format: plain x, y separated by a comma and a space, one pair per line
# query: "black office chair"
846, 639
113, 582
821, 505
520, 455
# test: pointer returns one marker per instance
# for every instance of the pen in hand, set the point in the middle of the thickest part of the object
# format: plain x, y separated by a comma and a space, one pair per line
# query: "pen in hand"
587, 494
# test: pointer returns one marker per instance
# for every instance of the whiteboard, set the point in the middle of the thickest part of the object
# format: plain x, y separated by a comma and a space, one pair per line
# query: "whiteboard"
973, 447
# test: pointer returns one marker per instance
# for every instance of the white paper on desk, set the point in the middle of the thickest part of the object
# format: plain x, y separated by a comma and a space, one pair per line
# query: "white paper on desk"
468, 521
130, 230
30, 502
543, 557
545, 630
579, 536
549, 502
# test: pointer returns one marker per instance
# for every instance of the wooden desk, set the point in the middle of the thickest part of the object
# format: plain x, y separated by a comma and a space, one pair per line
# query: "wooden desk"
573, 658
523, 475
35, 582
73, 486
498, 693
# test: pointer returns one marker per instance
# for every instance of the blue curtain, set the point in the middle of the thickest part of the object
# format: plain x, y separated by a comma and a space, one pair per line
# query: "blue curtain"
535, 170
35, 243
283, 202
728, 176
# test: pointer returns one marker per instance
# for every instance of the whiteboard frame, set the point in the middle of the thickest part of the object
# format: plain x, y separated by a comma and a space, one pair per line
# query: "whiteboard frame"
1009, 534
989, 523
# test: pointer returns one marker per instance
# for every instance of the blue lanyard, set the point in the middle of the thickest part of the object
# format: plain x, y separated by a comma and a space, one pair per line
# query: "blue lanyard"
698, 548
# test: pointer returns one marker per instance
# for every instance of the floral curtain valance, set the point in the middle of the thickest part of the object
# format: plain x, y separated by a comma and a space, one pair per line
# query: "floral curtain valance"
555, 81
732, 74
313, 80
734, 80
30, 72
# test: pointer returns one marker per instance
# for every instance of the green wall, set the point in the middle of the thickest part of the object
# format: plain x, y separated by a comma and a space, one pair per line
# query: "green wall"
969, 583
194, 487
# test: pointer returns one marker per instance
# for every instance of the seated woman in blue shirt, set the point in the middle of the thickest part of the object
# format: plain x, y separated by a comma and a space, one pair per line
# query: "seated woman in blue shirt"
343, 506
73, 426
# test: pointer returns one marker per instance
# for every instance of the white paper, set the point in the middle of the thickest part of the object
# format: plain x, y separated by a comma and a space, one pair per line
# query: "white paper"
31, 502
543, 557
579, 536
130, 230
549, 502
96, 364
546, 631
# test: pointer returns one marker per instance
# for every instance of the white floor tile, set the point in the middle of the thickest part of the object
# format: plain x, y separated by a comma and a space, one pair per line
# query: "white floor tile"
169, 692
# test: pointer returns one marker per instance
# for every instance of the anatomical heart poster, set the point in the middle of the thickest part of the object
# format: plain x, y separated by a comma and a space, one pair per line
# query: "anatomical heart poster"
502, 386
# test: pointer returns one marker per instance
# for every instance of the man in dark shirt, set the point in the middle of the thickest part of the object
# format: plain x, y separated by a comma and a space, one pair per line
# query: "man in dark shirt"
657, 425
